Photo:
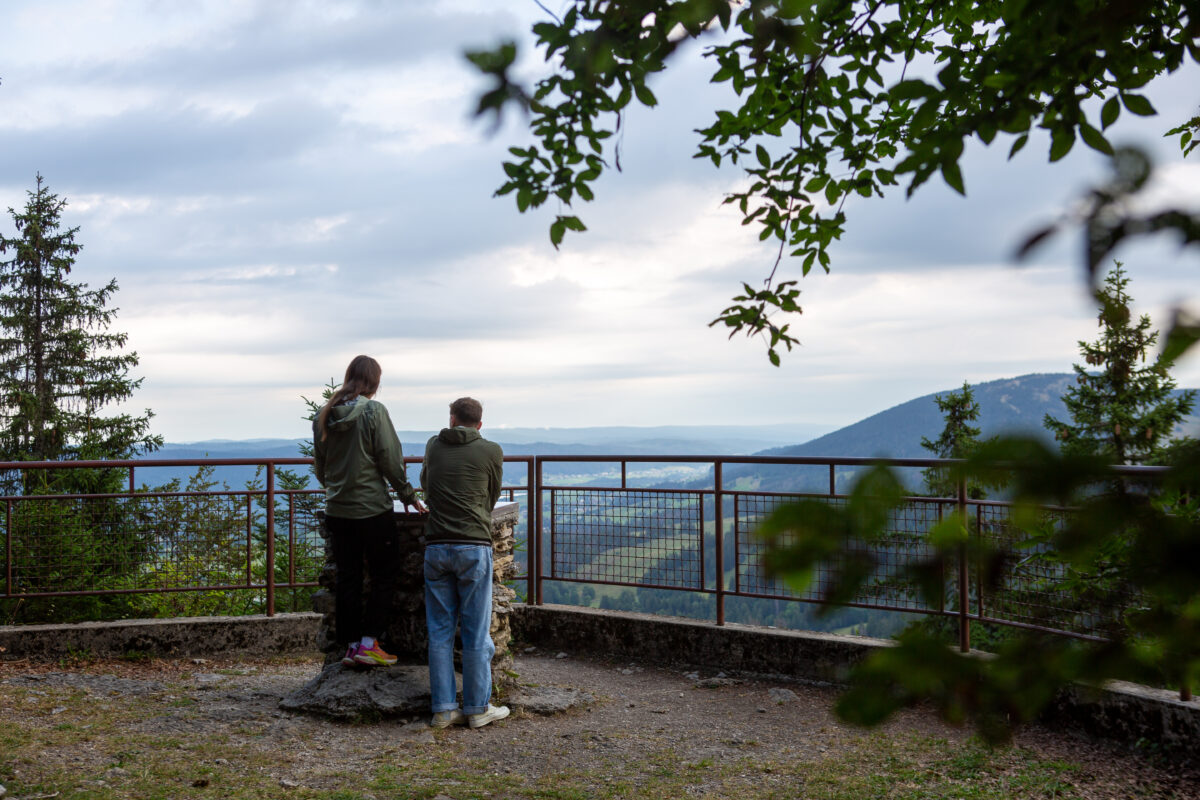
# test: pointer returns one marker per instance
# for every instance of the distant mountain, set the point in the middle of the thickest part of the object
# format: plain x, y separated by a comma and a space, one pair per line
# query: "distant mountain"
1011, 405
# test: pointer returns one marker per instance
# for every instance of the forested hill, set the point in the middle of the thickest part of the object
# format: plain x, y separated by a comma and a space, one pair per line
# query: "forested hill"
1010, 405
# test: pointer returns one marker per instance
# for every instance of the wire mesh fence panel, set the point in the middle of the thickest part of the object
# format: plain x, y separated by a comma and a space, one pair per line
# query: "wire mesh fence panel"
751, 575
904, 544
1036, 587
124, 543
887, 558
307, 540
637, 537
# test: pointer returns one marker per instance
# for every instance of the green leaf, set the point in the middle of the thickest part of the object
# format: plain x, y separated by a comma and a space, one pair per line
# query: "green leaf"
764, 157
953, 177
1138, 105
1018, 144
574, 223
1094, 139
790, 9
1035, 239
1061, 142
644, 94
999, 80
557, 229
816, 184
832, 192
1180, 339
1110, 112
947, 533
911, 89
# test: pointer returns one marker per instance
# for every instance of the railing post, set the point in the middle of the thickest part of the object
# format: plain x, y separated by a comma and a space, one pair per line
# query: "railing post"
719, 538
291, 501
532, 501
8, 549
537, 510
964, 622
249, 539
270, 539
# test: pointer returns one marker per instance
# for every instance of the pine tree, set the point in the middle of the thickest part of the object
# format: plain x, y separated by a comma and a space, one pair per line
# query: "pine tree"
60, 366
1127, 411
958, 440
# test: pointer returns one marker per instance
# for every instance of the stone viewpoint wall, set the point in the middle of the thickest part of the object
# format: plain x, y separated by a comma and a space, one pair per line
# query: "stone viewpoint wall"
406, 636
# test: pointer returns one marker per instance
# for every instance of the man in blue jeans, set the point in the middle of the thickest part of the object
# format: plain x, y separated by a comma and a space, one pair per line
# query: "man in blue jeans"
461, 477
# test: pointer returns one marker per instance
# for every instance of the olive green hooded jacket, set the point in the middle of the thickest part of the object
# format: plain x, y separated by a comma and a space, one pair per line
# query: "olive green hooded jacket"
461, 477
356, 460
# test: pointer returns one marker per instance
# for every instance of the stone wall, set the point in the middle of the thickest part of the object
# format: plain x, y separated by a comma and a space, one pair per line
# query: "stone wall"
255, 635
406, 637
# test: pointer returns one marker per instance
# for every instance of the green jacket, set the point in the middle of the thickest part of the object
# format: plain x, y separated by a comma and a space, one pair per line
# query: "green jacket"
461, 477
359, 453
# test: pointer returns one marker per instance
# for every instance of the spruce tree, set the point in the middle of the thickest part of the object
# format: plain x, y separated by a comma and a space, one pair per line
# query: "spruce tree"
60, 365
1127, 410
958, 440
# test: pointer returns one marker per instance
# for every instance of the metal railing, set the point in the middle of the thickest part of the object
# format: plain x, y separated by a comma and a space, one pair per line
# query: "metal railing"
606, 526
161, 540
701, 539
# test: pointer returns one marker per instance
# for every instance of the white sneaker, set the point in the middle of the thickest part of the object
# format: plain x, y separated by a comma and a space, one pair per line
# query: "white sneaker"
492, 714
444, 719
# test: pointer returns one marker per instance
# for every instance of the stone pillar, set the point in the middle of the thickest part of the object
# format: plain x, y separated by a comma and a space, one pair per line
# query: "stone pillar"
406, 637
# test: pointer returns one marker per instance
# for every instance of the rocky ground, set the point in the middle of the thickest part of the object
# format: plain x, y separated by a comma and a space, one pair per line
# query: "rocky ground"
215, 728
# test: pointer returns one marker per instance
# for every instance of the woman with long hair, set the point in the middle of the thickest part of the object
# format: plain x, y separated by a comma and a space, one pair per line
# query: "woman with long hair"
356, 454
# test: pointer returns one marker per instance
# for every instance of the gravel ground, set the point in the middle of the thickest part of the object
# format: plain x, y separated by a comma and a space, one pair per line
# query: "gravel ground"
639, 713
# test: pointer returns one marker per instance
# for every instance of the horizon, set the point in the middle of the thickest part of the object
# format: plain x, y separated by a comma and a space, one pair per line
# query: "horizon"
811, 431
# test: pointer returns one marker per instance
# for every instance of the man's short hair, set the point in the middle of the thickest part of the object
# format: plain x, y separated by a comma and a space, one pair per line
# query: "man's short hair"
467, 410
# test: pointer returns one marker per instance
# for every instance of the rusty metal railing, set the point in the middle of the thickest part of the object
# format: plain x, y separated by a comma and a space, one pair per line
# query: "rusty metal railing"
234, 549
662, 538
621, 527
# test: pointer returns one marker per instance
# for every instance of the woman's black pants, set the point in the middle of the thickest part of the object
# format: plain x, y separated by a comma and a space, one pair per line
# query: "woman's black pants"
363, 545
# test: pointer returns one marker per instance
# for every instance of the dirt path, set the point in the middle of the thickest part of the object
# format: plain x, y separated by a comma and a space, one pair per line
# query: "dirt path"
654, 732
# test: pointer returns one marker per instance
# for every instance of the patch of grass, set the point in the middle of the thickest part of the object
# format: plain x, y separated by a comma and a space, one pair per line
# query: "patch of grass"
912, 767
76, 658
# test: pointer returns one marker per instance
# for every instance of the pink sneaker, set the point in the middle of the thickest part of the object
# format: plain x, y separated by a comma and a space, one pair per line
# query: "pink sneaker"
374, 656
348, 659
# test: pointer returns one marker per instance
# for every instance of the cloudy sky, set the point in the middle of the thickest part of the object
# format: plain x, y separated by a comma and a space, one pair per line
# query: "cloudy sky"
279, 185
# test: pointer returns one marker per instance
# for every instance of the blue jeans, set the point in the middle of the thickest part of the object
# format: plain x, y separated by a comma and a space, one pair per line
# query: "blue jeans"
458, 590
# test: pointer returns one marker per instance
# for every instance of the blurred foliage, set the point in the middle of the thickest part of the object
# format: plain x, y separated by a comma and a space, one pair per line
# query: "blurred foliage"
828, 110
1128, 568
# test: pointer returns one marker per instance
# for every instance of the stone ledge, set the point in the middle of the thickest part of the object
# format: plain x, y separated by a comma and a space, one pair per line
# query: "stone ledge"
1122, 711
183, 636
678, 641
